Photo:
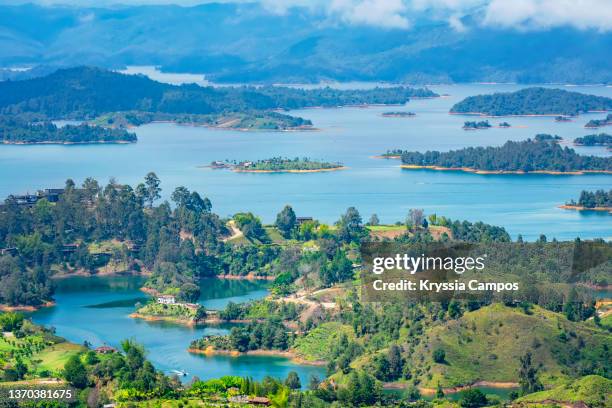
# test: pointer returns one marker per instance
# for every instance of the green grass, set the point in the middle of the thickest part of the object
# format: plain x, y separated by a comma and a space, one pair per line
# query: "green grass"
319, 342
54, 357
384, 228
593, 390
486, 345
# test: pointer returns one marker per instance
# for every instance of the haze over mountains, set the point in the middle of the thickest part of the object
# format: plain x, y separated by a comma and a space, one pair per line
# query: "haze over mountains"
246, 42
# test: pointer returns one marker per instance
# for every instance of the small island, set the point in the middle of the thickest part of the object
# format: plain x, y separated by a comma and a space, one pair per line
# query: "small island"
595, 123
504, 125
533, 102
602, 139
476, 125
599, 200
390, 154
542, 155
279, 165
15, 130
563, 118
398, 114
168, 308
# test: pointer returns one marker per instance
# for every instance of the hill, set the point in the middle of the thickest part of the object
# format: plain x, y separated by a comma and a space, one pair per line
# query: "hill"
85, 92
593, 390
533, 101
245, 42
487, 344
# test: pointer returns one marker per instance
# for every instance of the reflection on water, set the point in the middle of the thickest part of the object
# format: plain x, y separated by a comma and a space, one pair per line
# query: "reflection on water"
96, 310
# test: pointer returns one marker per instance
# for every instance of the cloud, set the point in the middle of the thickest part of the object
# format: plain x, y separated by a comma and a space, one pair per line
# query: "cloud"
529, 14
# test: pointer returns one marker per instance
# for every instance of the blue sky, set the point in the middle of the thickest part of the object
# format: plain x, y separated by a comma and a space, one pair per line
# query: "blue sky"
518, 14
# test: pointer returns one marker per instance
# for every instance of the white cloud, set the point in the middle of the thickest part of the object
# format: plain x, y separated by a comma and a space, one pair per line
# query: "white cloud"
528, 14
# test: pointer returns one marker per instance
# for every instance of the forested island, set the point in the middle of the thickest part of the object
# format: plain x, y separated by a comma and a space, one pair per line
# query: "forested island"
602, 139
595, 123
476, 125
279, 165
541, 155
16, 130
400, 114
112, 99
598, 200
532, 101
563, 119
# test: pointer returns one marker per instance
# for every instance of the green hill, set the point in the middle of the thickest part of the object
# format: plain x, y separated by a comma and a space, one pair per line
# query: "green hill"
593, 390
486, 345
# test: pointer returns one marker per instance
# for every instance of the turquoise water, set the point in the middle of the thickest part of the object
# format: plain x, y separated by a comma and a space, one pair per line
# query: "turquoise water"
96, 310
523, 204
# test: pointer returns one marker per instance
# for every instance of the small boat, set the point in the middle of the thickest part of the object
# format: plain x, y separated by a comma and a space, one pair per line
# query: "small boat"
179, 372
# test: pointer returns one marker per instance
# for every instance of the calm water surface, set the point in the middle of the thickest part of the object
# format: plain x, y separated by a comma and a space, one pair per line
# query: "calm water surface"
96, 310
523, 204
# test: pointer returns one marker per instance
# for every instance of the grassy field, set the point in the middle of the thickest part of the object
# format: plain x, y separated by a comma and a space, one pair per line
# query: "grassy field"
318, 343
486, 345
54, 357
593, 390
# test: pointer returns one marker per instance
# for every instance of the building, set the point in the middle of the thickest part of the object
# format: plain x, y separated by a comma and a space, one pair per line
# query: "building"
105, 350
166, 299
301, 220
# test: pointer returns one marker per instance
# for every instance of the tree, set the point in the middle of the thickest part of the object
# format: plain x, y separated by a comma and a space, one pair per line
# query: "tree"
439, 355
293, 381
415, 218
396, 362
473, 398
286, 221
75, 373
350, 226
374, 220
439, 391
528, 375
152, 190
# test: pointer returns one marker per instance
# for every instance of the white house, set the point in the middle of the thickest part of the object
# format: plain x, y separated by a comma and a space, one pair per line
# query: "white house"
166, 299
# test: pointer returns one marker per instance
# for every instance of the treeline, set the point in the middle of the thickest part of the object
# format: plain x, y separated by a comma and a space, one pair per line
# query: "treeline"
602, 139
18, 130
533, 101
593, 199
282, 163
86, 92
529, 155
484, 124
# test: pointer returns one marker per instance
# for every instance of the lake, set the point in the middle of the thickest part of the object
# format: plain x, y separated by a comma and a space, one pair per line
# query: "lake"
526, 205
96, 309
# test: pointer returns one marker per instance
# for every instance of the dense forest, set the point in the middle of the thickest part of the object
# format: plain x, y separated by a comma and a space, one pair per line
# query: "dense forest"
602, 139
595, 123
533, 101
524, 156
17, 130
85, 93
593, 199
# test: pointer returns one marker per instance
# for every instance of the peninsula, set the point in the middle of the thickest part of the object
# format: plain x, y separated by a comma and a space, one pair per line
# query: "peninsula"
279, 165
602, 139
541, 155
599, 200
532, 102
595, 123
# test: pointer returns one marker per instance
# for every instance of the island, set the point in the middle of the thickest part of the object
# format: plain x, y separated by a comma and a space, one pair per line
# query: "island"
398, 114
168, 308
602, 139
279, 165
595, 123
111, 99
598, 200
562, 118
541, 155
504, 125
14, 130
532, 102
476, 125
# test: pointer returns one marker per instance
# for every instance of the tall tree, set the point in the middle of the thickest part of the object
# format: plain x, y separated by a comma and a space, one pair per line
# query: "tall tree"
152, 188
286, 221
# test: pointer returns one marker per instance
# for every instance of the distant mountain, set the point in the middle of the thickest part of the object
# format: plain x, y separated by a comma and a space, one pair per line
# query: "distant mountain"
533, 101
245, 43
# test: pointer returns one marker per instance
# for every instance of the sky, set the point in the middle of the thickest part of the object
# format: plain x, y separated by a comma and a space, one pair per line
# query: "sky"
400, 14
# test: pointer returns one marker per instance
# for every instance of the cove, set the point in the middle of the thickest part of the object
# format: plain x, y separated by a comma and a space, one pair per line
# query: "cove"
96, 309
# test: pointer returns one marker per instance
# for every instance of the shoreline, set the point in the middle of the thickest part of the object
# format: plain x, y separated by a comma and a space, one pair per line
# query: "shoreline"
290, 170
389, 157
68, 143
582, 208
170, 319
501, 172
26, 308
290, 355
249, 276
535, 115
84, 274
